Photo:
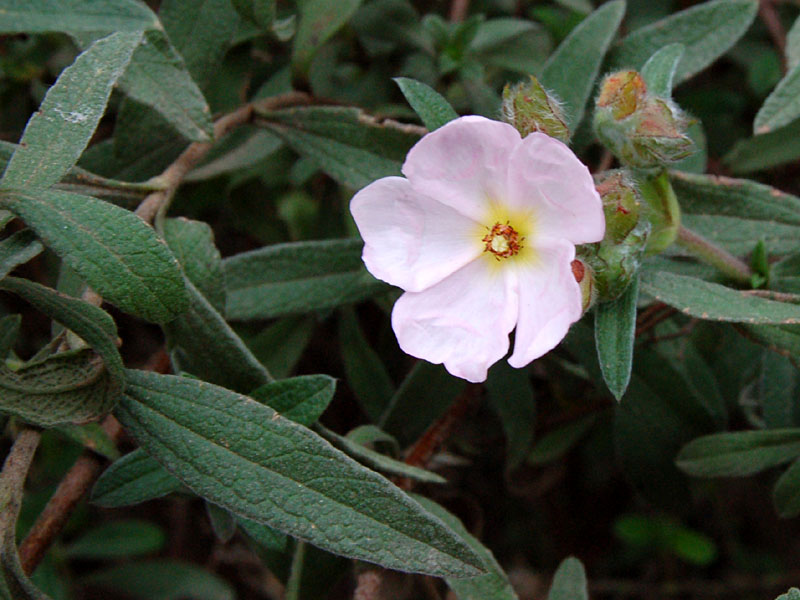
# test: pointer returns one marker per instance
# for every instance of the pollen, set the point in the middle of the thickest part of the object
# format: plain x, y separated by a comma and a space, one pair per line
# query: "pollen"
503, 241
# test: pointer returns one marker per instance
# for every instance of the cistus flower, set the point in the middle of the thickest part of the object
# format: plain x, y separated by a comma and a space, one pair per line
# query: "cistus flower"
481, 234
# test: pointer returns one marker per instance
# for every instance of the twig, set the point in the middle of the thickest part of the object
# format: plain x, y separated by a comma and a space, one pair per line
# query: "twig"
70, 490
715, 256
768, 14
458, 10
15, 470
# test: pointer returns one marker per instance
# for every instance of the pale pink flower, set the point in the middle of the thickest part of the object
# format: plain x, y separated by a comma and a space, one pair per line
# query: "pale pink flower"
481, 235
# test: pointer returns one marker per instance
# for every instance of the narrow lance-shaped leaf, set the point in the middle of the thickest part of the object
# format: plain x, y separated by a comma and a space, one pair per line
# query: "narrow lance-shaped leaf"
614, 329
57, 134
782, 106
494, 583
571, 70
431, 107
296, 278
707, 30
659, 70
17, 249
766, 150
786, 493
739, 454
348, 145
132, 479
319, 20
94, 325
302, 399
569, 581
715, 302
26, 16
290, 479
793, 45
112, 249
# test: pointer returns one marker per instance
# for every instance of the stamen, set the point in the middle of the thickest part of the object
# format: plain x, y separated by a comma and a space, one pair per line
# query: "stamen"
503, 241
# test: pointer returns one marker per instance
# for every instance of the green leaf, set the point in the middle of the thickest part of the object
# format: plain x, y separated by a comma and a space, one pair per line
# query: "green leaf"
366, 373
222, 522
782, 106
569, 581
204, 345
112, 249
707, 30
376, 460
260, 12
510, 394
294, 278
17, 249
302, 399
117, 539
9, 331
792, 594
348, 145
571, 70
157, 77
614, 330
280, 346
57, 134
735, 213
738, 454
715, 302
203, 39
425, 394
786, 493
494, 583
784, 339
290, 479
29, 16
192, 243
136, 477
69, 387
91, 436
555, 444
766, 150
161, 579
240, 150
318, 21
429, 104
94, 325
659, 70
784, 275
793, 45
777, 391
518, 45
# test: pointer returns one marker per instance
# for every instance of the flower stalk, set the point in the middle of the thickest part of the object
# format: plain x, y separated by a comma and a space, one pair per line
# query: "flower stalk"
715, 256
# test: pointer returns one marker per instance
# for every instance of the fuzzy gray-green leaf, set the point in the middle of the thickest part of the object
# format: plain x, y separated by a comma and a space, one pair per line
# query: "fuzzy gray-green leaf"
429, 104
136, 477
569, 581
302, 399
659, 70
738, 454
782, 106
296, 278
39, 16
114, 251
57, 134
17, 249
571, 70
707, 30
243, 456
614, 328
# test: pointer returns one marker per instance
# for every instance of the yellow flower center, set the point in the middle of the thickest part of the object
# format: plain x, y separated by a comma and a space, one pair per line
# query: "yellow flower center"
502, 241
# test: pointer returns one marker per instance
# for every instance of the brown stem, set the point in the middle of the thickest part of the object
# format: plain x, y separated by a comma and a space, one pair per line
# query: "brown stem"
458, 10
64, 500
768, 14
15, 470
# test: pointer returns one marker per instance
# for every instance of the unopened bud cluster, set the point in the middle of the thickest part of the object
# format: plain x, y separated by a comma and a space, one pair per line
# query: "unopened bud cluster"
641, 129
615, 260
529, 107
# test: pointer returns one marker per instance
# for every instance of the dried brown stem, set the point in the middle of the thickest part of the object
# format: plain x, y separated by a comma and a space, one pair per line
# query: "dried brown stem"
64, 500
770, 17
458, 10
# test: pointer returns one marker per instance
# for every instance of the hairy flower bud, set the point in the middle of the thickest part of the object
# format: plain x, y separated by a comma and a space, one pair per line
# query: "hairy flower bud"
620, 204
529, 107
584, 275
642, 130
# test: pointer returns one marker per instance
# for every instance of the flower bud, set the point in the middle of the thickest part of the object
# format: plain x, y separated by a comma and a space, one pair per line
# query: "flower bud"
529, 107
585, 277
641, 130
661, 209
620, 204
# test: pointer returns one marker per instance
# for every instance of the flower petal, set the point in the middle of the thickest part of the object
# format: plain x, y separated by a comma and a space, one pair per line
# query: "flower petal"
545, 176
411, 241
463, 163
463, 321
549, 300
